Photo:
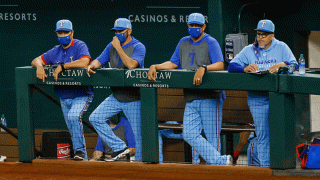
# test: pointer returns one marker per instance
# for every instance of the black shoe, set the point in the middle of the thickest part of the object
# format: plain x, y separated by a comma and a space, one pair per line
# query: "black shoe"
78, 156
118, 155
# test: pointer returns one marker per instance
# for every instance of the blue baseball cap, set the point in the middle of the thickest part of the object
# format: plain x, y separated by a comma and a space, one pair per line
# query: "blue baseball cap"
64, 25
196, 18
121, 24
265, 25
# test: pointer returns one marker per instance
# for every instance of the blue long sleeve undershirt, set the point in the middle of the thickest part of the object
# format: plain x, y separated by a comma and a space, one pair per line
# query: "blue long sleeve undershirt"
236, 68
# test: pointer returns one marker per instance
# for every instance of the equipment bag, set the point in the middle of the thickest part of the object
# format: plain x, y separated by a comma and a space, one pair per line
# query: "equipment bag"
310, 155
51, 144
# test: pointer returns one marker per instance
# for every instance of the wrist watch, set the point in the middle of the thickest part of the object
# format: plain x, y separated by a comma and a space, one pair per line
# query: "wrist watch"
205, 68
62, 66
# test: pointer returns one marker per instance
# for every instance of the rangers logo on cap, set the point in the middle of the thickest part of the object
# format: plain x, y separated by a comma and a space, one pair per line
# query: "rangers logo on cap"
265, 25
121, 24
64, 25
195, 17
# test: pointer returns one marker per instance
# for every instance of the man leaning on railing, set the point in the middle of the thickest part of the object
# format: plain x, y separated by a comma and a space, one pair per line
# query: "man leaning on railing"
71, 53
204, 106
123, 52
266, 53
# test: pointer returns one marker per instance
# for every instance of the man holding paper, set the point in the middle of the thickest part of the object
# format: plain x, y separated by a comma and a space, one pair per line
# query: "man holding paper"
266, 53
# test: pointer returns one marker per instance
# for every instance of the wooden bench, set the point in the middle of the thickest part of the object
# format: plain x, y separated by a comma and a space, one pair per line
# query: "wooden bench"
236, 114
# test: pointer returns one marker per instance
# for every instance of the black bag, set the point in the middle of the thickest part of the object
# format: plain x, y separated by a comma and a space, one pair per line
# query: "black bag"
50, 141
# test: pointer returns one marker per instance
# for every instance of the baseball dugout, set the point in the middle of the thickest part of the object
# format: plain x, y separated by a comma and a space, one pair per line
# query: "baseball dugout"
281, 114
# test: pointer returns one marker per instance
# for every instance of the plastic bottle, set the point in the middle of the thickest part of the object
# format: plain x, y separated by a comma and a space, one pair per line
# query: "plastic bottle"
4, 122
302, 65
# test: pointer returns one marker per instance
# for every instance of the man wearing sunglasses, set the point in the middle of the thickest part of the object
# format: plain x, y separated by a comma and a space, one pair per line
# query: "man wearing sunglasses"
266, 53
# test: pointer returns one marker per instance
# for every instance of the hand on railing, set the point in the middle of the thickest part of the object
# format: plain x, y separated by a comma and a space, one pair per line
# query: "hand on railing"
251, 68
90, 70
57, 72
41, 74
94, 65
152, 74
197, 80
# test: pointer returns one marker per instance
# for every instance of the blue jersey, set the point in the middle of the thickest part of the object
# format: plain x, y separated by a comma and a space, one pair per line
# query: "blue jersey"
57, 54
136, 51
129, 136
192, 55
278, 52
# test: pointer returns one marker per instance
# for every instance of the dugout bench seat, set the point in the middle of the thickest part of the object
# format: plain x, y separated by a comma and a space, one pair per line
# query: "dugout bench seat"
235, 118
227, 130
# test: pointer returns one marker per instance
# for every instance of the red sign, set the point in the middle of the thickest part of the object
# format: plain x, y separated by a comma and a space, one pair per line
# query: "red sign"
63, 151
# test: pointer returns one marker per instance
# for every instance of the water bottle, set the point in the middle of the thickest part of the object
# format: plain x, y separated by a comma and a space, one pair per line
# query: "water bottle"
302, 65
4, 122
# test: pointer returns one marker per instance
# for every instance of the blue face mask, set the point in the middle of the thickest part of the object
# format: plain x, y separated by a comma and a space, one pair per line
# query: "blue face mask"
195, 32
122, 37
64, 40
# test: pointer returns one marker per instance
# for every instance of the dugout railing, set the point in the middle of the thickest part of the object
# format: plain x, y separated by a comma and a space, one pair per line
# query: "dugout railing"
281, 90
